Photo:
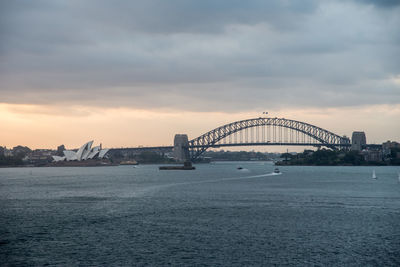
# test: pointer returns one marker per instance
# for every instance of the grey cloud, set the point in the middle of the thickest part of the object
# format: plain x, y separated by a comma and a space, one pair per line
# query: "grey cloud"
198, 16
194, 55
43, 25
157, 16
382, 3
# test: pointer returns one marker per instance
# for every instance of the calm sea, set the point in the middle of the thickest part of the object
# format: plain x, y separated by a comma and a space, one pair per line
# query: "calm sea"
215, 215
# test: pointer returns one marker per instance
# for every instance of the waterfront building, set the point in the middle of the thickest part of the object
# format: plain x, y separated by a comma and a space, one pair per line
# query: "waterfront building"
85, 152
39, 157
388, 146
372, 155
60, 150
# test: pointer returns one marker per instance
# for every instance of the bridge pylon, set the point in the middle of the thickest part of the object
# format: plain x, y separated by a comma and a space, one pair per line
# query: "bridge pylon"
181, 148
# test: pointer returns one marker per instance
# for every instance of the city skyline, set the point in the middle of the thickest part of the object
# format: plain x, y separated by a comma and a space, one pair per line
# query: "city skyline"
136, 73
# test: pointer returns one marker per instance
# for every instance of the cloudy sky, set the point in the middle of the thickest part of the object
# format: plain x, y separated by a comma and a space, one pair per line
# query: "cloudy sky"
129, 73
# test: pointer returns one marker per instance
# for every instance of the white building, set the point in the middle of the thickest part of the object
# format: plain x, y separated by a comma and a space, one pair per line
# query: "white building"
84, 152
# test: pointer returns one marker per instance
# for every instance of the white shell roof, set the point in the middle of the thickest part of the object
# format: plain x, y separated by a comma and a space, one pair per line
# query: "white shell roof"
70, 155
85, 152
103, 153
94, 152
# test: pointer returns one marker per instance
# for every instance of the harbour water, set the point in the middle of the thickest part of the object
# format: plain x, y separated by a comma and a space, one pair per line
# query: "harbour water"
215, 215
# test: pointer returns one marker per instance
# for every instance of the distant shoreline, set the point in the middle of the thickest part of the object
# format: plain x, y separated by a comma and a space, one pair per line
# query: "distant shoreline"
76, 164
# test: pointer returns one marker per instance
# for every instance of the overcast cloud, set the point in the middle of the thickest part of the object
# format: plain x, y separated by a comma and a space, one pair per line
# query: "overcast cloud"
195, 55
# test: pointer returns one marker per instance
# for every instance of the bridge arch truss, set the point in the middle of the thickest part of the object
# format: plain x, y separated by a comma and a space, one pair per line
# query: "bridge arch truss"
266, 131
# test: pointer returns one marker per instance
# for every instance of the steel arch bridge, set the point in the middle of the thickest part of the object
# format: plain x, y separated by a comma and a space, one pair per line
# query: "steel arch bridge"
266, 131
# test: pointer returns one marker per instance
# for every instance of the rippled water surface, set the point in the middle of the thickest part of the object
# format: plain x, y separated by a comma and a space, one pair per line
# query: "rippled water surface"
215, 215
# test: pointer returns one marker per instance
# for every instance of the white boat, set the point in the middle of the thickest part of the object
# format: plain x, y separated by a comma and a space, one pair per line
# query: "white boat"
374, 175
276, 170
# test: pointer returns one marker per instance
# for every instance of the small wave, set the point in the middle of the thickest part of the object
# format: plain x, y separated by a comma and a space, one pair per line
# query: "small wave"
154, 189
274, 174
227, 179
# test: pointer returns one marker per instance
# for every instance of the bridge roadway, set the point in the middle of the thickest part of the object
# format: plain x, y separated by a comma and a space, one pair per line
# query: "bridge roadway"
170, 148
265, 144
369, 146
166, 149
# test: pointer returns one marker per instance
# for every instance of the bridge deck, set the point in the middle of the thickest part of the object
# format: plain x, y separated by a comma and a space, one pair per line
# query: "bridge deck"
266, 144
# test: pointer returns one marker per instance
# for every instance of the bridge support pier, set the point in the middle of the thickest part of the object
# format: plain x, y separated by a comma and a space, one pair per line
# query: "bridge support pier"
181, 148
358, 141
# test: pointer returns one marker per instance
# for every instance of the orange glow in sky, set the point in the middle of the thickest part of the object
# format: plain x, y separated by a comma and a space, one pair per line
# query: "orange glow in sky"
38, 126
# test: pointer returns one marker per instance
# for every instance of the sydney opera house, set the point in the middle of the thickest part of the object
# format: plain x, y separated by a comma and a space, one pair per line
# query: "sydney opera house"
85, 152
